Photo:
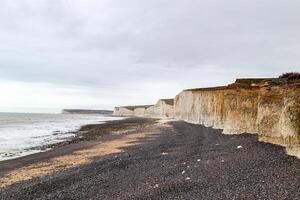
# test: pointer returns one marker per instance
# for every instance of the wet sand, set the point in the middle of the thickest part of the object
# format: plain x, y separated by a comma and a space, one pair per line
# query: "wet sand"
141, 159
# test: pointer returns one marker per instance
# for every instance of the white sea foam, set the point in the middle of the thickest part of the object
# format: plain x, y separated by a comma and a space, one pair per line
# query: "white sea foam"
21, 134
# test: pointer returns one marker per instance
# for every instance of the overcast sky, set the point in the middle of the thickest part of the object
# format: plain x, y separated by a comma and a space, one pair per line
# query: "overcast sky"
58, 54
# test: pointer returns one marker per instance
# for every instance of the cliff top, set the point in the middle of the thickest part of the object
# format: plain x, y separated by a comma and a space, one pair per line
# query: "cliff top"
260, 81
168, 101
207, 88
134, 107
252, 82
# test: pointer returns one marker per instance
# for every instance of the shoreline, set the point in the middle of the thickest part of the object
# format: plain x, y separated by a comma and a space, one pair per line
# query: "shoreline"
143, 159
41, 132
87, 136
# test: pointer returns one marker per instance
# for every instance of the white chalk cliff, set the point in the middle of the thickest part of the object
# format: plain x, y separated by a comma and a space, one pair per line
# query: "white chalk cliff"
264, 107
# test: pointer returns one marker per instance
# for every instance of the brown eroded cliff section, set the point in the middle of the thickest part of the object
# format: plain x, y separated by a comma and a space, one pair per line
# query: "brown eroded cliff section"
267, 107
271, 110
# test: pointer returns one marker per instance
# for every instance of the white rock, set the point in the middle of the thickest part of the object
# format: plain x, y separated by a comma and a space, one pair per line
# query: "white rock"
239, 147
198, 160
182, 172
188, 178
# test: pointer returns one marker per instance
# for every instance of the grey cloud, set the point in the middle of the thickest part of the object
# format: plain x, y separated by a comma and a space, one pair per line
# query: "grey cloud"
106, 43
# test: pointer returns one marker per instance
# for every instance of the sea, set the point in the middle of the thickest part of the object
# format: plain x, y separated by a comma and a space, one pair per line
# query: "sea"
22, 134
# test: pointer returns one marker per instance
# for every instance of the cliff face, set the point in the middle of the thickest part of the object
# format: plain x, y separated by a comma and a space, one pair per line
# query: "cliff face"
267, 107
166, 108
272, 112
233, 110
138, 111
123, 111
162, 109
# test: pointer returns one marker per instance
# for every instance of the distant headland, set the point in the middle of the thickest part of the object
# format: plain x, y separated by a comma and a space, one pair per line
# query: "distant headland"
84, 111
